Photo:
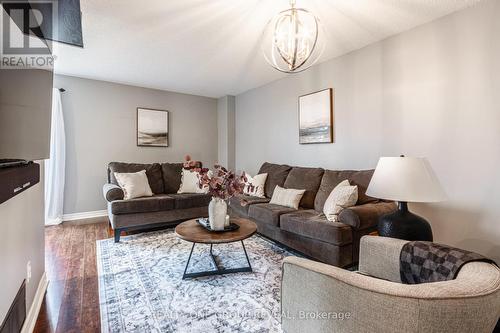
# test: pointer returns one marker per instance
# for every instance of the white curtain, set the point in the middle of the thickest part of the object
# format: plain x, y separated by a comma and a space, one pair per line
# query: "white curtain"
55, 165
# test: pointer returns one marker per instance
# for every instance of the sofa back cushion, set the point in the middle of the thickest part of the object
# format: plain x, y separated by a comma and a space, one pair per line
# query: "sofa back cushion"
362, 179
172, 176
307, 179
153, 172
172, 173
276, 175
332, 178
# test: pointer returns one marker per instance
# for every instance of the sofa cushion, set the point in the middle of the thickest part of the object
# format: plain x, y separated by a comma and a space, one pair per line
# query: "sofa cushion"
171, 173
268, 213
332, 178
190, 200
276, 175
309, 223
307, 179
362, 180
236, 203
287, 197
134, 184
153, 172
156, 203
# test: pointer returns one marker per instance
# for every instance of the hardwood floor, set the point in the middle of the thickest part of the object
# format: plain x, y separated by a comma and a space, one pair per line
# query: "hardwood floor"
71, 303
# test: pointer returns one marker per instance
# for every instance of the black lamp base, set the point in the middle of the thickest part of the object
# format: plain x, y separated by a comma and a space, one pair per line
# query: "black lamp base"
403, 224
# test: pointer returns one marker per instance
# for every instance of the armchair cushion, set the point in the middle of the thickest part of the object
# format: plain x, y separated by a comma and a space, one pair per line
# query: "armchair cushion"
379, 257
367, 215
112, 192
312, 224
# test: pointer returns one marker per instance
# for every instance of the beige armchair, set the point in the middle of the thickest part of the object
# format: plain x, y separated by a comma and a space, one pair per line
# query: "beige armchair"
323, 298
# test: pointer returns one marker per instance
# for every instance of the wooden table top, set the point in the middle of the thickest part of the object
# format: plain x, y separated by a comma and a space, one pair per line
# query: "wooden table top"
191, 231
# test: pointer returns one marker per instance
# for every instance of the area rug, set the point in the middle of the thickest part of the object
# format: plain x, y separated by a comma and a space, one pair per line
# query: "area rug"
141, 287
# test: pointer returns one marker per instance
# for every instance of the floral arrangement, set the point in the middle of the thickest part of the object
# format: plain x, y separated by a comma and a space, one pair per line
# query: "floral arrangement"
220, 182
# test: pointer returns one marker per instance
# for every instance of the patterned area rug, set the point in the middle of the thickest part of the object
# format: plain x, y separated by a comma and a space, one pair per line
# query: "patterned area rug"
141, 287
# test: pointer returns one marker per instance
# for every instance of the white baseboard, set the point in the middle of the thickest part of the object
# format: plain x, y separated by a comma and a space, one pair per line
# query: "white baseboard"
32, 316
84, 215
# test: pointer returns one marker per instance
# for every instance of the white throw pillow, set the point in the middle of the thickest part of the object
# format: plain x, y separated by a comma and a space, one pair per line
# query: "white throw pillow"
287, 197
258, 182
190, 182
134, 184
342, 196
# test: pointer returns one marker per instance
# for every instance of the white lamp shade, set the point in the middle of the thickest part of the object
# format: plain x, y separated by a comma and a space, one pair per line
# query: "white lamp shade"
407, 179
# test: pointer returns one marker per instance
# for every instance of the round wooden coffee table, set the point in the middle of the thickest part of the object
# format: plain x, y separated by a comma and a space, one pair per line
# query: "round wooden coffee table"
191, 231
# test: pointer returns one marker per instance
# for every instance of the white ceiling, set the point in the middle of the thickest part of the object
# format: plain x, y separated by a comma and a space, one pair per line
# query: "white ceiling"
211, 47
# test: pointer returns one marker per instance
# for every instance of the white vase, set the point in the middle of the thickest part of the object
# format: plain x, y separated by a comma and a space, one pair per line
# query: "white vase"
217, 210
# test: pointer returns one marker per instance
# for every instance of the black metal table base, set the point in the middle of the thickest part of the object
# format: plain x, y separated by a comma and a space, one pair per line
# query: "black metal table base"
219, 270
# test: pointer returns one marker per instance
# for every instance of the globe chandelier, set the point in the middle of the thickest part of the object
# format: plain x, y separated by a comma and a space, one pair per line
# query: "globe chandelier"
293, 40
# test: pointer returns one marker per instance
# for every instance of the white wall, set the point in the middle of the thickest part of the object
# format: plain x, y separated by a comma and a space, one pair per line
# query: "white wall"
432, 91
21, 240
100, 123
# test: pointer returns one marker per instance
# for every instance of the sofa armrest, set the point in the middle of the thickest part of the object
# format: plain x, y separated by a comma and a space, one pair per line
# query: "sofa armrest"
367, 215
337, 300
112, 192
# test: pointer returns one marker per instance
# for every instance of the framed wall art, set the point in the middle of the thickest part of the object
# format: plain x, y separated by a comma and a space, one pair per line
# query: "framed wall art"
316, 117
152, 128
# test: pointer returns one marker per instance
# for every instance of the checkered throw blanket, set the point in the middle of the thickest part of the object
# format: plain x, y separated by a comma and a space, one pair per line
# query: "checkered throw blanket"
422, 262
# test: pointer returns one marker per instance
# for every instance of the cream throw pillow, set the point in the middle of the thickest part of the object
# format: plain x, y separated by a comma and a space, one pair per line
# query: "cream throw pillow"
258, 183
190, 182
342, 196
287, 197
134, 184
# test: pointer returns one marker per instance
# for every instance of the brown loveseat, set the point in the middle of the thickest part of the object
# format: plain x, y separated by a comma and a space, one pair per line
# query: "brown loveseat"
165, 207
307, 230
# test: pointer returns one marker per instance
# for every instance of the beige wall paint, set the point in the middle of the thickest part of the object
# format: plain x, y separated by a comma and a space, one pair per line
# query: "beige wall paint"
22, 240
100, 123
432, 91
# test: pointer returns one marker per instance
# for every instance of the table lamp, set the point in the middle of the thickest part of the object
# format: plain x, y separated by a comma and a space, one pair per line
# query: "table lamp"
405, 179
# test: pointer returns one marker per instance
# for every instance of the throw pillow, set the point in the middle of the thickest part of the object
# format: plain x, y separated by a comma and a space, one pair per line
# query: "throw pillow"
190, 182
287, 197
258, 182
134, 184
342, 196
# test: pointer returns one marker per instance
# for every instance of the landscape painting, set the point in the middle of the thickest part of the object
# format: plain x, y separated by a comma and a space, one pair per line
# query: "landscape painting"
152, 128
316, 117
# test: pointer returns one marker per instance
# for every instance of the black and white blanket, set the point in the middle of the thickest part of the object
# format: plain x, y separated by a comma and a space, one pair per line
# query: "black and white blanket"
422, 262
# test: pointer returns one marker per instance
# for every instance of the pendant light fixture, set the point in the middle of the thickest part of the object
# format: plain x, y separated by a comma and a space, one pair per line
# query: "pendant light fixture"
293, 40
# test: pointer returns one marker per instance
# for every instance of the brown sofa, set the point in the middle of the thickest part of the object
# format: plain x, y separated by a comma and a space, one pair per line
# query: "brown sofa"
307, 230
166, 207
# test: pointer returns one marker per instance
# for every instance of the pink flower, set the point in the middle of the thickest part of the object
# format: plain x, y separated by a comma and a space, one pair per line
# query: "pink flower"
220, 182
